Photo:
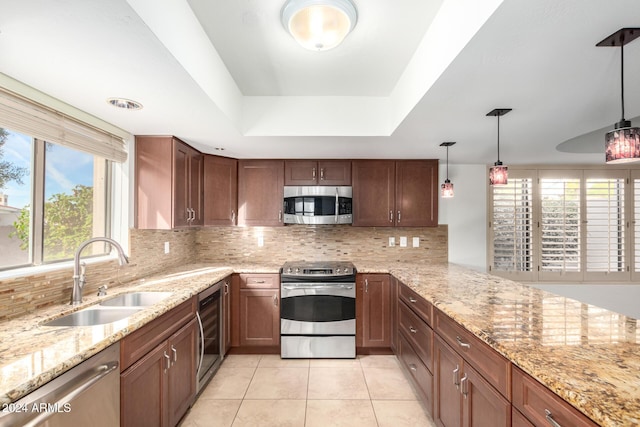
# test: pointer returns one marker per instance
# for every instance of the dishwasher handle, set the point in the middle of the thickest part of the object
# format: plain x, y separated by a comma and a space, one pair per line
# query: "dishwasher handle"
61, 395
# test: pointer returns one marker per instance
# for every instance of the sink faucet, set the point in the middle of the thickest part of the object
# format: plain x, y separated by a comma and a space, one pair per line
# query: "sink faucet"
78, 274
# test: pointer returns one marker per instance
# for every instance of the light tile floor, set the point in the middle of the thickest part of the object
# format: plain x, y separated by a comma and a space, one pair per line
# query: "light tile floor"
266, 391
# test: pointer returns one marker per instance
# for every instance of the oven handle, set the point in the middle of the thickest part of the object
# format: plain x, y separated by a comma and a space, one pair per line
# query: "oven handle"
316, 286
201, 346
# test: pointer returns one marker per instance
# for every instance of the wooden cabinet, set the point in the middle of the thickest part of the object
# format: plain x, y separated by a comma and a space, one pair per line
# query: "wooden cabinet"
158, 362
541, 406
321, 172
394, 284
462, 396
227, 314
260, 192
169, 184
220, 190
259, 310
395, 193
373, 311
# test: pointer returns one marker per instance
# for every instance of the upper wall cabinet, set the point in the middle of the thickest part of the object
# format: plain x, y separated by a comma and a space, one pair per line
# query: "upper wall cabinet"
395, 193
169, 187
260, 192
321, 172
220, 190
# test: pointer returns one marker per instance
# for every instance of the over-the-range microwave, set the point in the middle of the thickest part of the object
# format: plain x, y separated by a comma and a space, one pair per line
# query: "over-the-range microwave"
318, 205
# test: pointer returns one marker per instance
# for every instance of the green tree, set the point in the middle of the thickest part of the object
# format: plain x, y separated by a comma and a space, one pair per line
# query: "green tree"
8, 171
68, 221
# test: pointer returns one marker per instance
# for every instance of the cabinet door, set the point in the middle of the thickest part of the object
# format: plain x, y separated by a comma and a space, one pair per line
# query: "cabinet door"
482, 405
153, 166
301, 172
376, 310
394, 323
182, 375
373, 192
196, 188
142, 390
416, 193
334, 172
447, 406
260, 192
220, 190
181, 193
259, 317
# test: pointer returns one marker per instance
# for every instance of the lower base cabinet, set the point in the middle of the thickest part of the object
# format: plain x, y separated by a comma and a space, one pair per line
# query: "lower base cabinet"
422, 378
158, 389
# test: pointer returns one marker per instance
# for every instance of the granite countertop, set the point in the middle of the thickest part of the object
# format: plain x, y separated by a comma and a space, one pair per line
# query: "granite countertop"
587, 355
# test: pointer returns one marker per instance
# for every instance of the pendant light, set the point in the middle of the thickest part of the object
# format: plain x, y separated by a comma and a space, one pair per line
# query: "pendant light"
622, 144
319, 24
498, 173
446, 189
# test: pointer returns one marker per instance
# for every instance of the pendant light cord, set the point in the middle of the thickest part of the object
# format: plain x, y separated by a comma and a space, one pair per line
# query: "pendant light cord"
622, 78
498, 138
447, 163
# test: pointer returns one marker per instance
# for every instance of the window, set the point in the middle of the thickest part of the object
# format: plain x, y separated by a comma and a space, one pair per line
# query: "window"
565, 225
56, 198
55, 179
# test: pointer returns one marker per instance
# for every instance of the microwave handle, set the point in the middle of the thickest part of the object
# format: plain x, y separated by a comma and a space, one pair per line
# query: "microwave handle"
337, 205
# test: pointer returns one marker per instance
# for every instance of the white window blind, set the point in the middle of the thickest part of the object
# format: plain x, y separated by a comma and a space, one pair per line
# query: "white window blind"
511, 226
636, 223
605, 224
25, 116
560, 221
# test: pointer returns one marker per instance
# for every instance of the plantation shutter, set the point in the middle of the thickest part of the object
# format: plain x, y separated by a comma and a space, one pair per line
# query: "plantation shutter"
606, 247
512, 226
39, 121
636, 224
560, 225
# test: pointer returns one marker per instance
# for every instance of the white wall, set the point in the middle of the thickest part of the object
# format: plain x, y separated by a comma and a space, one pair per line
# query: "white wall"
466, 214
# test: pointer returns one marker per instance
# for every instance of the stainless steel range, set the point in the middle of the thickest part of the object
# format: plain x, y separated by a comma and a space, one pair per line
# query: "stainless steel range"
318, 310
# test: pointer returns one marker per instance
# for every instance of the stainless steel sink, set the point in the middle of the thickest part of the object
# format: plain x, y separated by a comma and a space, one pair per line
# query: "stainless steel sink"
94, 316
136, 299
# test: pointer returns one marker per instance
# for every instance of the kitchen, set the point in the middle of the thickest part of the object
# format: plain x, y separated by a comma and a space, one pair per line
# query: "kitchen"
214, 108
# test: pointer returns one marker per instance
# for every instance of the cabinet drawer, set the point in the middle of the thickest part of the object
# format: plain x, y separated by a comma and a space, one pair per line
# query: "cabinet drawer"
140, 342
422, 378
519, 420
418, 334
489, 363
418, 304
261, 281
533, 400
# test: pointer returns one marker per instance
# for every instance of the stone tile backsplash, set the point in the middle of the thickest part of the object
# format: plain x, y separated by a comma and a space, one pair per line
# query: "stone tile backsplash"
225, 246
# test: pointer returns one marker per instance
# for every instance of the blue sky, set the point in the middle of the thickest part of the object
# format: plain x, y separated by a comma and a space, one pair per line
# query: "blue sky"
65, 169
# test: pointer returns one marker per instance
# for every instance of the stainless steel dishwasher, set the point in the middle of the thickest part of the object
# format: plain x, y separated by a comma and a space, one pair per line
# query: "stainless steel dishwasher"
86, 395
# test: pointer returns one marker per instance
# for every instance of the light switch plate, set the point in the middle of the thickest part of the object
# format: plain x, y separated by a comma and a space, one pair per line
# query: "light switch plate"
166, 248
392, 242
403, 241
416, 242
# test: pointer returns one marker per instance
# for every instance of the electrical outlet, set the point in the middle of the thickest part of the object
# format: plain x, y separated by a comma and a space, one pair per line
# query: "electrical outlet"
416, 242
403, 241
166, 248
392, 242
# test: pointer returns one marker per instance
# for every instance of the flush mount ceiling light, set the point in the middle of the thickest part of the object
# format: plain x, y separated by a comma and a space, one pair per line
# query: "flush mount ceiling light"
446, 189
498, 173
622, 144
319, 24
125, 104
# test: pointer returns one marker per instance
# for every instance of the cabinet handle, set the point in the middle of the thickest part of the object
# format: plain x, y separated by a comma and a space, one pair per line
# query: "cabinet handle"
275, 300
550, 420
233, 217
168, 360
321, 174
462, 343
313, 173
464, 386
260, 281
456, 381
391, 216
412, 300
366, 285
412, 329
398, 217
188, 215
175, 354
226, 288
413, 367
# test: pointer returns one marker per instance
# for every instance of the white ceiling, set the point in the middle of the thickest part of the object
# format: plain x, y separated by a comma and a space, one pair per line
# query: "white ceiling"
413, 73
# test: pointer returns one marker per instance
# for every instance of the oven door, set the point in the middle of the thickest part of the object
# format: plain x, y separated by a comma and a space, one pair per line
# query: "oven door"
318, 309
